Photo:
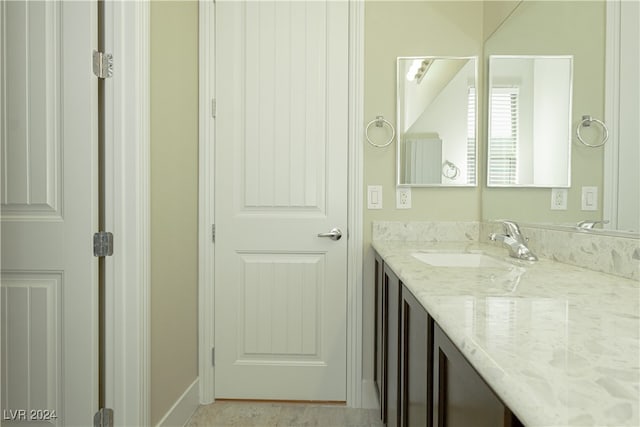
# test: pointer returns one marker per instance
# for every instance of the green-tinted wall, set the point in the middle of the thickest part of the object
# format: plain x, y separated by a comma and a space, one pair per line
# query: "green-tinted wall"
174, 202
557, 28
409, 28
392, 29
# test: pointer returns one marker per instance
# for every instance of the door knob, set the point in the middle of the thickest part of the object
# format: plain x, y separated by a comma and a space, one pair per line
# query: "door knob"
334, 234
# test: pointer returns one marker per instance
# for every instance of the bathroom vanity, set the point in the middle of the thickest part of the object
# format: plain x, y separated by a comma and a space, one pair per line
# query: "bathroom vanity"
504, 343
421, 377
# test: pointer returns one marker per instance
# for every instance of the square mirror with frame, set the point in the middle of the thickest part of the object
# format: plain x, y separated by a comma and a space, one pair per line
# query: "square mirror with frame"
529, 112
437, 121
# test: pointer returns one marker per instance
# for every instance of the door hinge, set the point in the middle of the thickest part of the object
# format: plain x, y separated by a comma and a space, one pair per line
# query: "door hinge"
102, 64
103, 418
213, 356
213, 108
213, 233
102, 244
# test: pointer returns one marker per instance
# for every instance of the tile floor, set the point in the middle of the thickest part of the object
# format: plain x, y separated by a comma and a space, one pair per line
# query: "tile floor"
258, 414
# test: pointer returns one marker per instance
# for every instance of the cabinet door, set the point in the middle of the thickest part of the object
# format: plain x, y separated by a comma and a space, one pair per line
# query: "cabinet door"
417, 363
391, 392
462, 398
378, 359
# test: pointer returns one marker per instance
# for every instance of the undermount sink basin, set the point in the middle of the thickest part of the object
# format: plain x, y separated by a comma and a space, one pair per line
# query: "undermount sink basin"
460, 259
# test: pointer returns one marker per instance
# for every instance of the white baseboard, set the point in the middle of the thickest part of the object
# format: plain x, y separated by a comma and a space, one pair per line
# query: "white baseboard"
184, 407
369, 395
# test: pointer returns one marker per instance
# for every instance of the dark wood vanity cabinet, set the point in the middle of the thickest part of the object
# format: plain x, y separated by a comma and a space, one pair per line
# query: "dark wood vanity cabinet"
417, 363
461, 397
391, 348
388, 294
421, 377
403, 338
378, 360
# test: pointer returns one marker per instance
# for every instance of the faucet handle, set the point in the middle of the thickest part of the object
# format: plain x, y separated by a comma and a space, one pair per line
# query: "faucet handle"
511, 229
589, 224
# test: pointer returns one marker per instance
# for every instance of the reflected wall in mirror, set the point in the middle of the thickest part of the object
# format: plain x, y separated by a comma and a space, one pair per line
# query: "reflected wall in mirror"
437, 121
529, 121
622, 109
562, 28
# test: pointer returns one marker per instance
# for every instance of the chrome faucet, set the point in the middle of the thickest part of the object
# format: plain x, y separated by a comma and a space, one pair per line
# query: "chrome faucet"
589, 224
514, 241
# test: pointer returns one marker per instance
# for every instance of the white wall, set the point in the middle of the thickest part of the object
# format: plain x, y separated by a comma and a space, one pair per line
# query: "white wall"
551, 115
447, 116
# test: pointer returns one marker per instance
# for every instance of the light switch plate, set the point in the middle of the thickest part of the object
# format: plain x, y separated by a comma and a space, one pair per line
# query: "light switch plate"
589, 198
559, 199
403, 198
374, 196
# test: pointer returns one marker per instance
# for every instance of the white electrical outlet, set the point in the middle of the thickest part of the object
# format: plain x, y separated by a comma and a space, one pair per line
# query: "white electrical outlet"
374, 196
589, 198
403, 198
559, 199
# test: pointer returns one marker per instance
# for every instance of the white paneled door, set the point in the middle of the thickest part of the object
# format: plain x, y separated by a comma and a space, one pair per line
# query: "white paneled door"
281, 179
48, 131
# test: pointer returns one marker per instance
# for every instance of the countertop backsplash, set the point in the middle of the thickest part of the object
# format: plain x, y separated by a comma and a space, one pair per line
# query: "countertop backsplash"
426, 231
615, 255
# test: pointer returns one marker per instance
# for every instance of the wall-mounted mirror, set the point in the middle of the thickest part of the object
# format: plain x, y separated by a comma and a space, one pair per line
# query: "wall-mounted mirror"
529, 142
437, 121
601, 36
576, 28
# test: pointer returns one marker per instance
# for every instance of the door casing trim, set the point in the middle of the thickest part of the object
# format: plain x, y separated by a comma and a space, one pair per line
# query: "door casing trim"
612, 112
354, 207
206, 93
206, 202
127, 213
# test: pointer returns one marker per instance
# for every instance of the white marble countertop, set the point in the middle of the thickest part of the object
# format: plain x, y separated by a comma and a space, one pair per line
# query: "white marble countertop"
559, 344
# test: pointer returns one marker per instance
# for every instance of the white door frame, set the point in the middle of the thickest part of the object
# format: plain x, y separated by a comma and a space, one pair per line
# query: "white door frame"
612, 113
206, 202
206, 123
127, 213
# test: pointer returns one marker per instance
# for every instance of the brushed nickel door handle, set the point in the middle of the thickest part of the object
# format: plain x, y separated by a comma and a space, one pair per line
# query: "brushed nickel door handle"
334, 234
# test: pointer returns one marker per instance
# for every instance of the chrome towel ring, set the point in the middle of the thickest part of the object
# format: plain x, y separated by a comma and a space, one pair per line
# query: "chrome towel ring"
586, 122
379, 122
450, 170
